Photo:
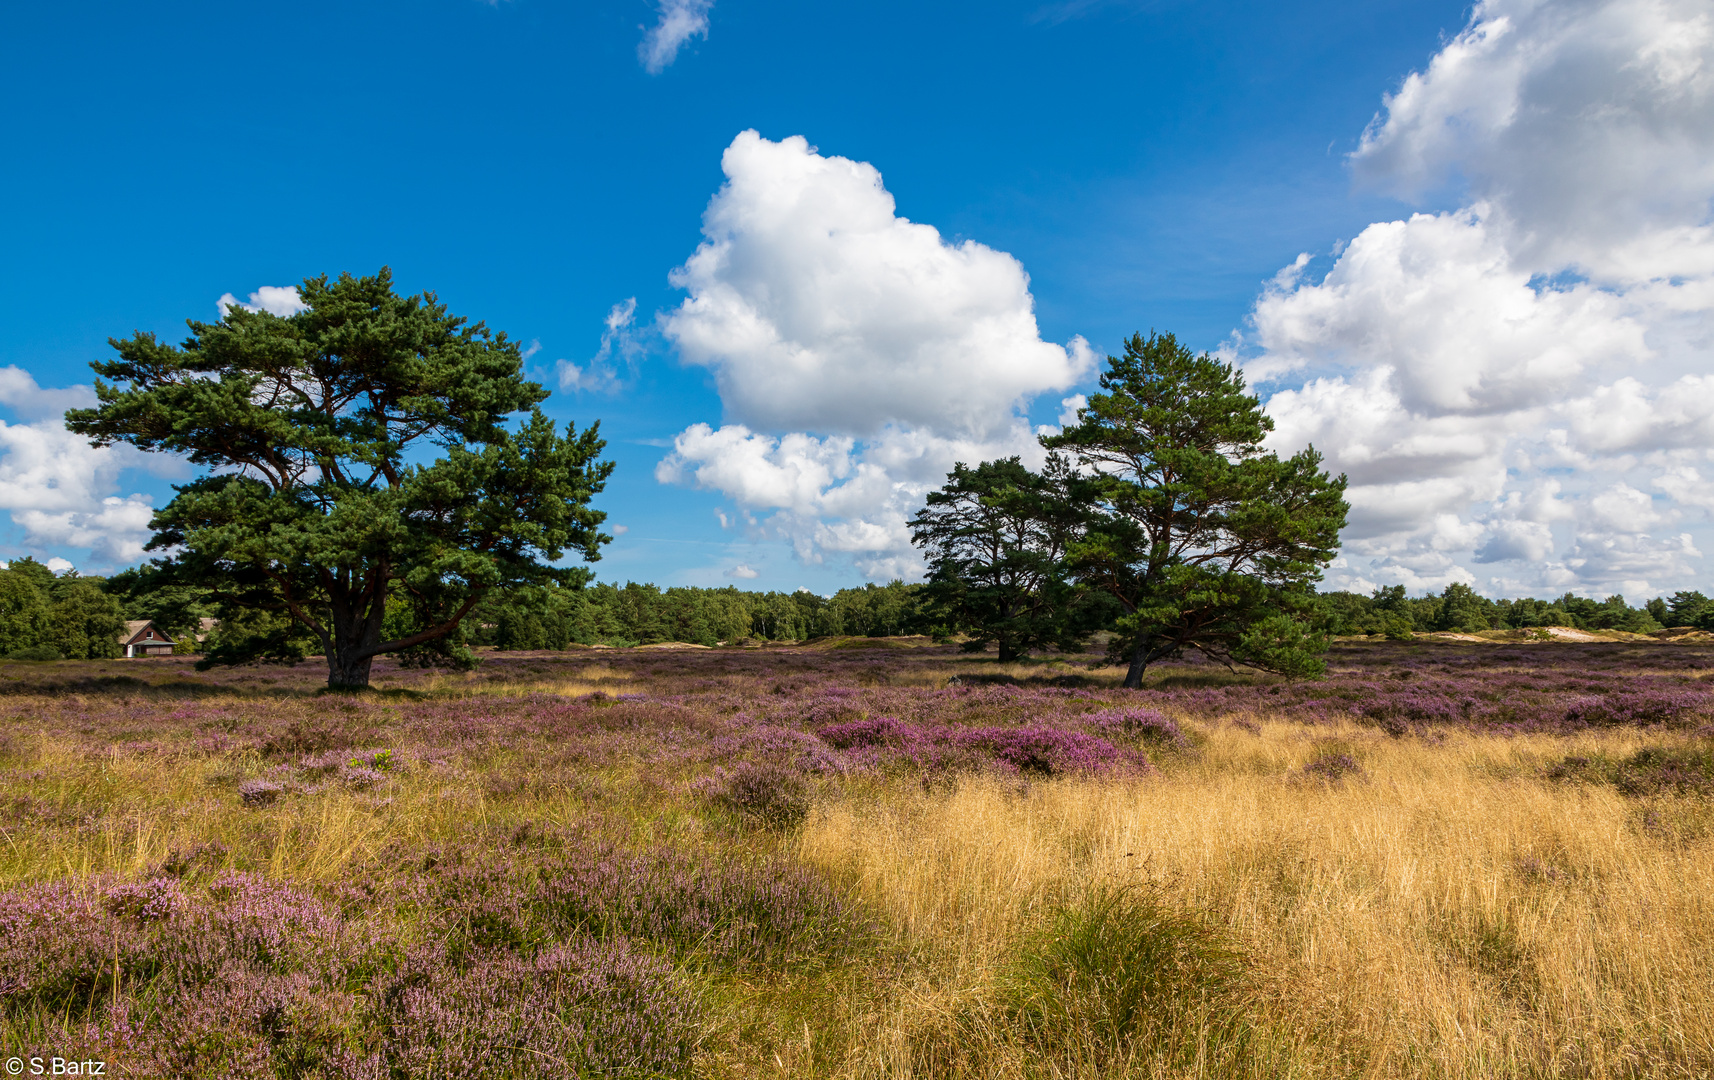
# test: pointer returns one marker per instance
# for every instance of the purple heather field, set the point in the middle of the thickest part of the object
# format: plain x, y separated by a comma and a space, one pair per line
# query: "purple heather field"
596, 943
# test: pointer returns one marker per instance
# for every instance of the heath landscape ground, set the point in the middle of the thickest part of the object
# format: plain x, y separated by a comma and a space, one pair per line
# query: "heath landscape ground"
866, 858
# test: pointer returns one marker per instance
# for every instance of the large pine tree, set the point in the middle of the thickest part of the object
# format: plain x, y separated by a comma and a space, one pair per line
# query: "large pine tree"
360, 456
1205, 539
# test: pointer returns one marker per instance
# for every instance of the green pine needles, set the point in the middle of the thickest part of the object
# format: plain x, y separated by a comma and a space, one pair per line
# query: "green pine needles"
359, 458
1164, 503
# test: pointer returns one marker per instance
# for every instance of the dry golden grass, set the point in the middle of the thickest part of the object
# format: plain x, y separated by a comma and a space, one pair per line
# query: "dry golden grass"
1450, 915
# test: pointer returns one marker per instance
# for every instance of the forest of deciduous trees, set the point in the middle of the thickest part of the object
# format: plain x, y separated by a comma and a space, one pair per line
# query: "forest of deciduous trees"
48, 616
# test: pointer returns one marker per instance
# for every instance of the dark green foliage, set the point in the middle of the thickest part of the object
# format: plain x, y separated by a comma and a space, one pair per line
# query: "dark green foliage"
1463, 610
1122, 979
324, 503
1686, 609
551, 617
24, 601
69, 616
248, 634
1206, 541
1659, 611
37, 653
84, 623
1529, 613
1610, 614
996, 537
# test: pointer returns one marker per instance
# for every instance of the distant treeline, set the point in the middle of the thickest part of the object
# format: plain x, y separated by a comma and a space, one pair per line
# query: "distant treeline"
644, 614
82, 617
1458, 607
636, 614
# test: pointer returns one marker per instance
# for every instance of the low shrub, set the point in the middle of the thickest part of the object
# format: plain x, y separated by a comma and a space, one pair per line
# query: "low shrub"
1330, 766
1652, 770
251, 978
36, 653
764, 791
1147, 725
259, 792
1037, 749
585, 1008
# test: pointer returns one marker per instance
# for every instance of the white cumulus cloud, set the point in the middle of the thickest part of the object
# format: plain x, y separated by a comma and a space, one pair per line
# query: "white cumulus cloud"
680, 21
857, 353
281, 300
19, 393
1521, 385
60, 490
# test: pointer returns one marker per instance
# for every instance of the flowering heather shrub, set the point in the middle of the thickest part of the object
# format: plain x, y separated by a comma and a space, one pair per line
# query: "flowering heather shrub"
147, 901
1652, 770
796, 750
1037, 748
258, 792
583, 1007
762, 790
720, 911
1331, 767
875, 731
254, 978
1649, 707
242, 1024
257, 922
360, 776
767, 912
57, 944
1048, 751
1146, 724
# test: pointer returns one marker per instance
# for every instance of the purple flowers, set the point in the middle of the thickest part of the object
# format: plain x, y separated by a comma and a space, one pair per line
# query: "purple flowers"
584, 1006
1035, 748
1048, 751
143, 902
259, 792
241, 976
1147, 725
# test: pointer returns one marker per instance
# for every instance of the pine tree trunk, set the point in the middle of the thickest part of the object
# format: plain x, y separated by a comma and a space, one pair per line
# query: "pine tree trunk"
1139, 664
1008, 651
354, 635
345, 671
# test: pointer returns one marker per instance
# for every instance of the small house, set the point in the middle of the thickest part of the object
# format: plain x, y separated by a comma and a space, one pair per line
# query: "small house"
143, 638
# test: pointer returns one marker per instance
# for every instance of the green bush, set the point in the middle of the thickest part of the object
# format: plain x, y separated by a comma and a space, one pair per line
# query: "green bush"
37, 653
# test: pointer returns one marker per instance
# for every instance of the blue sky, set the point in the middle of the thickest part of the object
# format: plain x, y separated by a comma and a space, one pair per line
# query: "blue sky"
1147, 164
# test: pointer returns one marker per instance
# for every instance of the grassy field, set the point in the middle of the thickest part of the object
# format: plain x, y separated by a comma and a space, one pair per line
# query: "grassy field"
866, 859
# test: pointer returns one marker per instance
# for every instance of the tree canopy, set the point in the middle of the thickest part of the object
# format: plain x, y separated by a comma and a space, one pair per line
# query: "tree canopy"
359, 456
1206, 540
44, 616
996, 536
